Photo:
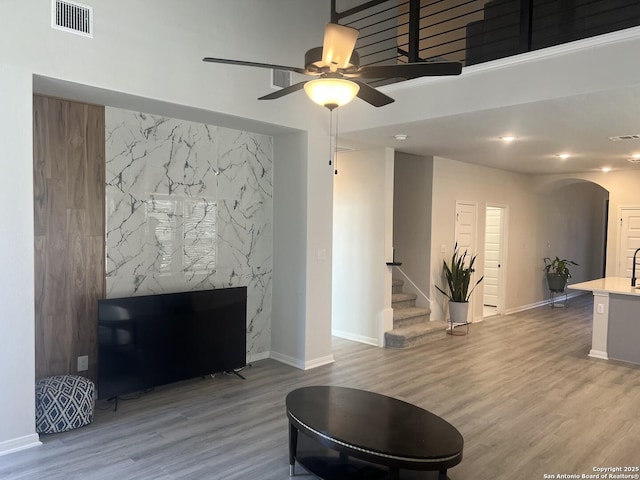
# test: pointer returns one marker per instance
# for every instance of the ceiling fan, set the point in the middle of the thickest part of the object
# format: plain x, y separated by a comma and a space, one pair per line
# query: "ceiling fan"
336, 66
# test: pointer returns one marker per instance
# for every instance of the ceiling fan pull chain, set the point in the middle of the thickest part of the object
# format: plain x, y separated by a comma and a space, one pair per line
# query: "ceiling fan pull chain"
330, 134
335, 144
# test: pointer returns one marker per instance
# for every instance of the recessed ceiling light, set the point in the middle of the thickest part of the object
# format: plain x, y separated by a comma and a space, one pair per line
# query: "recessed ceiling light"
563, 156
508, 138
606, 169
635, 156
401, 136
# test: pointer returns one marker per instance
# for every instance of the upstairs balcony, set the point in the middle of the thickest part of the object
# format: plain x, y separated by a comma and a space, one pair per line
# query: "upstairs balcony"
475, 31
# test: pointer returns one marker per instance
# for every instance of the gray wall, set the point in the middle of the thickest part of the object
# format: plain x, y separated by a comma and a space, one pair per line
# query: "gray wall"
412, 192
571, 226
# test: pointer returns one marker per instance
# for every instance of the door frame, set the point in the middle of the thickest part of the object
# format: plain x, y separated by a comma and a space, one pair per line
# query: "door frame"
472, 303
502, 271
619, 268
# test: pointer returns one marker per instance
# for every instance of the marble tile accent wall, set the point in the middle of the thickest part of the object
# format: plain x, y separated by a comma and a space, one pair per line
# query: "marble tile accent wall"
189, 207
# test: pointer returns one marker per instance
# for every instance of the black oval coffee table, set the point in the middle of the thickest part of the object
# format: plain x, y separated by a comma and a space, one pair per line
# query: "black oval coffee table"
355, 434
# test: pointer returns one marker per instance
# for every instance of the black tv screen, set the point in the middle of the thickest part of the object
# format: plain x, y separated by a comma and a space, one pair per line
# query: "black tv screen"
153, 340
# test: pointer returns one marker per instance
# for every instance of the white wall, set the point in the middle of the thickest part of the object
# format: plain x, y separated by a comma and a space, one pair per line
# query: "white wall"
456, 181
17, 409
151, 50
412, 221
289, 265
533, 221
363, 206
319, 234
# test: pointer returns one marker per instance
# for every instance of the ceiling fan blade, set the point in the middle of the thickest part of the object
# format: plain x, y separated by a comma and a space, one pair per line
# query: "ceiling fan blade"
409, 70
339, 42
285, 91
256, 64
373, 96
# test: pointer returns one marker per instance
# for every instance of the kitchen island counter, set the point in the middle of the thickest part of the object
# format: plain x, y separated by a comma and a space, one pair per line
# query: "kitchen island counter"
616, 318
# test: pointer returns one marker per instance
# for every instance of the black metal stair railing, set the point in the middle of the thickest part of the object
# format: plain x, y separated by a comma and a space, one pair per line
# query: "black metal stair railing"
476, 31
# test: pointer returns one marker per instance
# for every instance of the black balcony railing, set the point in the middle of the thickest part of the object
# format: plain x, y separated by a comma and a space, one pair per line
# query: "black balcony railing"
476, 31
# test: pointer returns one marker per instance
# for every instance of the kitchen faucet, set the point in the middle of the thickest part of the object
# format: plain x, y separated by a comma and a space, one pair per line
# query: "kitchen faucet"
633, 270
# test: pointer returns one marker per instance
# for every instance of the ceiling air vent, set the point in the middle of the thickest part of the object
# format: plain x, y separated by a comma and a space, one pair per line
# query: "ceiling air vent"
280, 78
72, 17
625, 137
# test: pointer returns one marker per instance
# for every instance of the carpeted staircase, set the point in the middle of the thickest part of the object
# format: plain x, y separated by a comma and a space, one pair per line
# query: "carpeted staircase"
411, 325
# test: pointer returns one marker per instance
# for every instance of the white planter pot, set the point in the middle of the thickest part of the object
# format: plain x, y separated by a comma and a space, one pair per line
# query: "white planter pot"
458, 312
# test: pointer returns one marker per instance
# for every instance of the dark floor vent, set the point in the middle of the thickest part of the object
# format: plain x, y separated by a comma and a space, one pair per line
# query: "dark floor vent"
72, 17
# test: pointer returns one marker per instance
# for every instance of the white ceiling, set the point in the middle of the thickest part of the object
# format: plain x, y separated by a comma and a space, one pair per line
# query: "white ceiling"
580, 125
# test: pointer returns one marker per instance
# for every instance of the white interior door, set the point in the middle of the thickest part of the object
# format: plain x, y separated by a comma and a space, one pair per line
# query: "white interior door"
629, 240
492, 256
465, 236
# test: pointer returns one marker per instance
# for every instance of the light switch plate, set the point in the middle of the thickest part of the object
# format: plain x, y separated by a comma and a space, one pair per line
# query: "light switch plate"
83, 363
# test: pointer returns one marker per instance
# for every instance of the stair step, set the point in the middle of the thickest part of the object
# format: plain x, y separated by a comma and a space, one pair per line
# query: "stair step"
396, 285
415, 334
403, 300
403, 317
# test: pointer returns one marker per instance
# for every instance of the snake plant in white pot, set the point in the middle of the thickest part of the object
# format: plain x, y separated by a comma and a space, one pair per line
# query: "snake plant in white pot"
458, 277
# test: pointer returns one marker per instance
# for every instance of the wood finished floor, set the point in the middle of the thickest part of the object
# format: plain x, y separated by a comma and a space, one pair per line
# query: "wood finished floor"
520, 389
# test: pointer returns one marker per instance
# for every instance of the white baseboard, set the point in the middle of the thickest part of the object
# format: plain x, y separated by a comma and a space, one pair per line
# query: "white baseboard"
301, 364
538, 304
318, 362
287, 360
20, 443
356, 338
598, 354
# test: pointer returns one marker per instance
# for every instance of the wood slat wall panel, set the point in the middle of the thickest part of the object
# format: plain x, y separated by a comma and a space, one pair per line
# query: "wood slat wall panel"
40, 143
55, 277
40, 259
78, 313
69, 225
77, 156
95, 171
56, 124
95, 270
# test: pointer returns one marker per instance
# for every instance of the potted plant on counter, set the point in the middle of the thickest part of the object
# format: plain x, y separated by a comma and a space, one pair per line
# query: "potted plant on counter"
557, 272
458, 277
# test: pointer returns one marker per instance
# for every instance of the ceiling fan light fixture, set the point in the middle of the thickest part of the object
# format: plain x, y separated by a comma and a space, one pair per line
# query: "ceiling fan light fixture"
331, 92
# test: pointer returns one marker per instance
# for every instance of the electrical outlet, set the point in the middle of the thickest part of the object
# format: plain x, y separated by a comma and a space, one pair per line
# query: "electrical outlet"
600, 308
83, 363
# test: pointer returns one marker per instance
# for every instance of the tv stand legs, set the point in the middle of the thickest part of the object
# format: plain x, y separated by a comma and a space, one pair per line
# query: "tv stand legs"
235, 372
115, 403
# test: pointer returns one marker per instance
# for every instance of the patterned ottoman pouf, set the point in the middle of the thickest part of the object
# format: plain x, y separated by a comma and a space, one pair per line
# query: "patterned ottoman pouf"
64, 402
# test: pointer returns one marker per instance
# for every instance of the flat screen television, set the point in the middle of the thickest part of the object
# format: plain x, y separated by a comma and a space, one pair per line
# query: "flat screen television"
153, 340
